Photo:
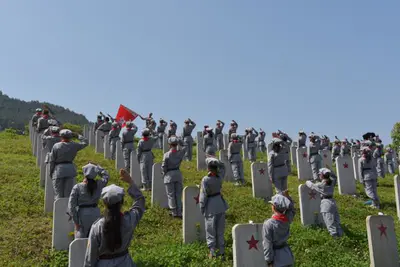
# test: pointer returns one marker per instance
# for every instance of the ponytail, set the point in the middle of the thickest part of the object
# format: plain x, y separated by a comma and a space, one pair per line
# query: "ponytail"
91, 186
112, 226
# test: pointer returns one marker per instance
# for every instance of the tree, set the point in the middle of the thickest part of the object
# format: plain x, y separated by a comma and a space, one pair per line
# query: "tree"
395, 134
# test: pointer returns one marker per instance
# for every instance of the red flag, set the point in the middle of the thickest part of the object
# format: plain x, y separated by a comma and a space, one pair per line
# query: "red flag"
125, 114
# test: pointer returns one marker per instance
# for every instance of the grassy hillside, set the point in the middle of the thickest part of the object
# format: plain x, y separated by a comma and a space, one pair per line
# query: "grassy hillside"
25, 238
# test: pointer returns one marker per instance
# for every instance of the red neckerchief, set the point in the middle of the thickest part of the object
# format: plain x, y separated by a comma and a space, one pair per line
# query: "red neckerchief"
39, 113
211, 174
234, 141
114, 128
280, 217
174, 150
145, 138
55, 135
65, 141
45, 116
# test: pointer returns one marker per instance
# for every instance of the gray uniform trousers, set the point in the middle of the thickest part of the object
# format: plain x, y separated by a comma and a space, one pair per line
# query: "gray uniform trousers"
280, 184
252, 153
371, 191
160, 140
188, 143
87, 216
390, 167
237, 169
215, 228
146, 162
113, 147
331, 217
126, 151
220, 141
63, 187
380, 167
174, 194
316, 164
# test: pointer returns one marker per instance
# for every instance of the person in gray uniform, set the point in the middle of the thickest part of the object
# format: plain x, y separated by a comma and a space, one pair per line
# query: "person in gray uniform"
36, 117
328, 207
219, 136
314, 157
128, 143
188, 139
277, 168
146, 158
325, 142
148, 120
234, 148
261, 141
82, 205
172, 129
113, 138
388, 157
208, 143
345, 148
106, 126
98, 122
50, 139
276, 232
335, 150
377, 155
160, 132
302, 139
232, 129
62, 167
111, 235
286, 143
42, 123
173, 179
213, 207
368, 177
251, 135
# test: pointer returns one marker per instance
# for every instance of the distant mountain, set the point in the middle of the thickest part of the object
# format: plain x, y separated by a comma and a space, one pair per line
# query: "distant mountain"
15, 113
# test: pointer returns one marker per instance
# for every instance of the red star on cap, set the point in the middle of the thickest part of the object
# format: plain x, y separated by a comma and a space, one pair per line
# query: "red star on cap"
197, 199
305, 155
312, 194
345, 165
262, 171
252, 243
382, 229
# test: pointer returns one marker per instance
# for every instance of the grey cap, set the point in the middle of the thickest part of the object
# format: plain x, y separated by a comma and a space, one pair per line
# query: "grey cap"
90, 171
145, 131
173, 140
234, 136
129, 124
65, 133
54, 129
212, 162
276, 140
38, 110
52, 122
280, 202
324, 171
115, 124
112, 194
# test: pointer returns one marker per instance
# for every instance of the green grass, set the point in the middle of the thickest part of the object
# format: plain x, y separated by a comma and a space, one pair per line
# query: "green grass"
25, 238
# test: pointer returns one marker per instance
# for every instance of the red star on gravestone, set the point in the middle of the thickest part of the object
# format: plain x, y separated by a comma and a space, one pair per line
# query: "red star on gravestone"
305, 155
252, 243
325, 155
262, 171
312, 194
382, 229
197, 199
345, 165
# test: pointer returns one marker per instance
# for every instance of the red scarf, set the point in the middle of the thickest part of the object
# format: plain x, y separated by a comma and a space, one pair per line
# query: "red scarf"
280, 217
114, 128
174, 150
65, 141
145, 138
212, 174
234, 141
45, 116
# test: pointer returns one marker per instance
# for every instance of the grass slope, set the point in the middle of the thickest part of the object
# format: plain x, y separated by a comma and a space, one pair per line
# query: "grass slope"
25, 238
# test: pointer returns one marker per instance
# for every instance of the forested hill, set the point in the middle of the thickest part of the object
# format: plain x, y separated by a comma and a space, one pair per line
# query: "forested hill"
15, 113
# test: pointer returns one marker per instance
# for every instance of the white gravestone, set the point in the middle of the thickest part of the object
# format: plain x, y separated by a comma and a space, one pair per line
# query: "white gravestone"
269, 148
85, 131
226, 141
43, 167
39, 146
247, 245
62, 227
293, 155
99, 142
326, 159
303, 166
135, 169
165, 143
92, 137
395, 161
77, 251
310, 202
34, 145
201, 155
355, 159
158, 192
223, 157
382, 241
397, 193
48, 191
244, 149
106, 145
193, 220
345, 174
262, 187
119, 157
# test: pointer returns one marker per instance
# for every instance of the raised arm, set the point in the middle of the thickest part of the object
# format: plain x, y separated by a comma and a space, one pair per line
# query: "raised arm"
104, 176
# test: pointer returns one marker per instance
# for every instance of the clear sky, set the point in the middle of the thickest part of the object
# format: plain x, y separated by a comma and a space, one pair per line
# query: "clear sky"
331, 67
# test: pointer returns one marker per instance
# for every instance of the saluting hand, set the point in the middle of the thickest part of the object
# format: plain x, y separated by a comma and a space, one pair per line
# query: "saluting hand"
124, 176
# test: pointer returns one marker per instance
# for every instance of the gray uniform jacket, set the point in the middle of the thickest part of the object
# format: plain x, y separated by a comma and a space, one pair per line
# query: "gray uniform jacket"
367, 170
302, 140
128, 137
275, 234
250, 139
234, 149
62, 156
312, 152
97, 124
187, 132
48, 143
388, 157
42, 124
211, 201
171, 131
326, 191
161, 127
35, 118
335, 151
97, 245
344, 150
277, 167
114, 134
144, 149
170, 165
218, 130
230, 132
105, 127
208, 144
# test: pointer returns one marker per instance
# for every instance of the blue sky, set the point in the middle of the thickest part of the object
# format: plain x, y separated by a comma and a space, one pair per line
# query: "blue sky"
326, 66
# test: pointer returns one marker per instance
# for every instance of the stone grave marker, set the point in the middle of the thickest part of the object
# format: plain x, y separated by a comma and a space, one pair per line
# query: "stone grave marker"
34, 144
223, 156
99, 142
92, 137
397, 193
39, 146
345, 174
85, 131
245, 154
158, 193
107, 149
303, 167
355, 159
293, 155
43, 167
262, 187
269, 148
310, 202
77, 251
326, 159
165, 147
48, 191
119, 157
61, 226
247, 245
135, 169
201, 155
395, 160
382, 241
226, 141
193, 220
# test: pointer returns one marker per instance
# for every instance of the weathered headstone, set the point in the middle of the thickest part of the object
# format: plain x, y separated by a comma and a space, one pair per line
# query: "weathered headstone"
85, 131
62, 227
269, 147
165, 143
99, 142
119, 157
293, 155
135, 169
345, 174
382, 241
303, 166
223, 156
48, 191
201, 155
397, 193
262, 187
43, 167
244, 149
92, 137
39, 146
247, 245
193, 220
226, 141
34, 143
310, 202
326, 158
355, 159
77, 251
158, 192
107, 149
